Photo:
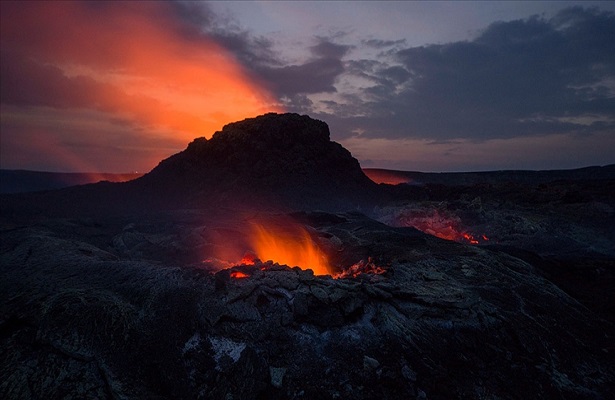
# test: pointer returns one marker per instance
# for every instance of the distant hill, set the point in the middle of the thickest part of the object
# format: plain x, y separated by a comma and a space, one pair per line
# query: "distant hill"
394, 177
21, 181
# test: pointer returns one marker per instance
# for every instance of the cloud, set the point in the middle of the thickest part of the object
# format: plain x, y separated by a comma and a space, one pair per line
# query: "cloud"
176, 70
144, 63
556, 151
526, 77
382, 44
315, 76
289, 81
518, 78
327, 49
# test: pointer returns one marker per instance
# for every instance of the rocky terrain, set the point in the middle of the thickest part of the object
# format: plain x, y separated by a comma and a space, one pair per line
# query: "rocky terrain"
564, 228
138, 290
489, 177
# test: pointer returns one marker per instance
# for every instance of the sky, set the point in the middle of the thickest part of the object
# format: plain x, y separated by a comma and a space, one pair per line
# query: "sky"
423, 86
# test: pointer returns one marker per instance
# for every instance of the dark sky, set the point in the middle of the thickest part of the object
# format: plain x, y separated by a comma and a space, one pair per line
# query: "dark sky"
431, 86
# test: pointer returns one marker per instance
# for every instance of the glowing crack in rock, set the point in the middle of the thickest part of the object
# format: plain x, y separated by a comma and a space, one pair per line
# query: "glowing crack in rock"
291, 246
435, 222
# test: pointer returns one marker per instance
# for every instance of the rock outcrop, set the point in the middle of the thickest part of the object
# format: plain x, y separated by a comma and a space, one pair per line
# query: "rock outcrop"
285, 159
274, 161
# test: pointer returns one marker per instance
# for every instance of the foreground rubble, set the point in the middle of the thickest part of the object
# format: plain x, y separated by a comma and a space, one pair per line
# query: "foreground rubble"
446, 320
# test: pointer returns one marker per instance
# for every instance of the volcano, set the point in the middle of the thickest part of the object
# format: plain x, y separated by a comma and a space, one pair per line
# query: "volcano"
285, 159
263, 264
274, 161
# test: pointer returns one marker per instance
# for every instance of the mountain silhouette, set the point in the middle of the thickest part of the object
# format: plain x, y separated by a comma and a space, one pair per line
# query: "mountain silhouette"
282, 161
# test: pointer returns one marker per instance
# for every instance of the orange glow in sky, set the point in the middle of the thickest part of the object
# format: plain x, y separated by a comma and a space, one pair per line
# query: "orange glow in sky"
136, 63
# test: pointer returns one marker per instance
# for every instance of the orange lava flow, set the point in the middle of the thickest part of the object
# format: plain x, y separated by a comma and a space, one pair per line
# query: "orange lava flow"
239, 274
360, 268
248, 259
292, 246
440, 224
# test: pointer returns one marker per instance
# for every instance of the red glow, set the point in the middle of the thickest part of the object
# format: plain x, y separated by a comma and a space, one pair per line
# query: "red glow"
248, 259
138, 65
385, 176
469, 238
239, 274
290, 245
362, 267
441, 224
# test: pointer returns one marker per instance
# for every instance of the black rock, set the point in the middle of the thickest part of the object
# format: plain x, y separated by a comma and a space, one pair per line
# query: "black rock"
287, 159
274, 161
79, 319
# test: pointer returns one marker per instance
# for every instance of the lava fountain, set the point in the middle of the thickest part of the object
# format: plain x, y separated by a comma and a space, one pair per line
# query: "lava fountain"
281, 243
291, 245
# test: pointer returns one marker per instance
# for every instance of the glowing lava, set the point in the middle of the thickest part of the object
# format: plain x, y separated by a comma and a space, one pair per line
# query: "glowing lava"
248, 258
440, 223
275, 245
362, 267
291, 246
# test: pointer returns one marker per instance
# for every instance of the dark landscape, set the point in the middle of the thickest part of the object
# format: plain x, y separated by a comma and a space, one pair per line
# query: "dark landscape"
19, 181
264, 264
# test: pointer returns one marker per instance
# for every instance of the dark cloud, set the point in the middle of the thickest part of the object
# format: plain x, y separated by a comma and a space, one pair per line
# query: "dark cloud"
29, 83
396, 74
381, 44
290, 82
252, 51
327, 49
195, 14
525, 77
315, 76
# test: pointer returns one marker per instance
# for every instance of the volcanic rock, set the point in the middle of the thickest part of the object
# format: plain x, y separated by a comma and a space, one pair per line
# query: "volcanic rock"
445, 321
274, 161
286, 159
130, 291
565, 228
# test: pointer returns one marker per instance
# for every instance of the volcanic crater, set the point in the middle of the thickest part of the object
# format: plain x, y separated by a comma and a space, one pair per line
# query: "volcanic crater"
264, 264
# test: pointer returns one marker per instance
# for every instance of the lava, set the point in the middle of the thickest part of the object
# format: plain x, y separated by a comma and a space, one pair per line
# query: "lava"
239, 274
291, 245
248, 258
442, 224
282, 244
362, 267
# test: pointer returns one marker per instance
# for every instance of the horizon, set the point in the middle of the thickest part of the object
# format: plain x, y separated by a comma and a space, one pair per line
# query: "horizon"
407, 86
141, 173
